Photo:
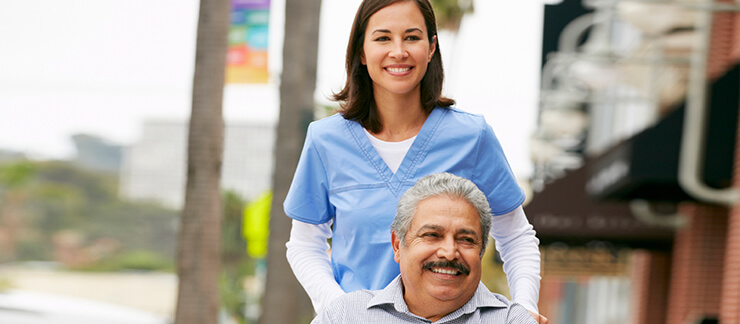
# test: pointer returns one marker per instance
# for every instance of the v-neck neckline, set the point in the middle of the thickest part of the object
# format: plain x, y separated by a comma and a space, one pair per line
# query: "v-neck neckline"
411, 160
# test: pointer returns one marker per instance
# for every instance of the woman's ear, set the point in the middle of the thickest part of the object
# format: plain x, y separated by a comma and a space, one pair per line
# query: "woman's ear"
362, 58
432, 48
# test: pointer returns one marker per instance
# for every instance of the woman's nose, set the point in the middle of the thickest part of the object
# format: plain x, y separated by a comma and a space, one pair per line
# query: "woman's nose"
399, 50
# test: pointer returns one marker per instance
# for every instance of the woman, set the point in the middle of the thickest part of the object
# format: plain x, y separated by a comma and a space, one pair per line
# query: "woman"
394, 127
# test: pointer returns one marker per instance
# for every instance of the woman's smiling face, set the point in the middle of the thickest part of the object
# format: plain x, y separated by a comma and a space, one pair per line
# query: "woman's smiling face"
397, 49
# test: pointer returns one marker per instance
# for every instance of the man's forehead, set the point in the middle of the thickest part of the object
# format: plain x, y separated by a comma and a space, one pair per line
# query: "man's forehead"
438, 210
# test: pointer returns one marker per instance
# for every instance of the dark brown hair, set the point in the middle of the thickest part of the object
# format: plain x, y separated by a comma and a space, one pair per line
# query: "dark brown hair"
357, 100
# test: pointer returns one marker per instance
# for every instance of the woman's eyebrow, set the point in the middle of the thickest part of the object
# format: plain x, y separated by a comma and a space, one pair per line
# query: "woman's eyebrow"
381, 31
410, 30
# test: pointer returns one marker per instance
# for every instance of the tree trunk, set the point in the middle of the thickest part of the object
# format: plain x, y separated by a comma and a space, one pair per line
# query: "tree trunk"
284, 300
198, 257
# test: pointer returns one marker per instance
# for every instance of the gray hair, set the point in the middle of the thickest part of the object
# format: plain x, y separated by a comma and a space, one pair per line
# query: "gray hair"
441, 184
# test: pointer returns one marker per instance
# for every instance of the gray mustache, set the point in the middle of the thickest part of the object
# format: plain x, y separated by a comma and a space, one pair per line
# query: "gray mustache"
446, 264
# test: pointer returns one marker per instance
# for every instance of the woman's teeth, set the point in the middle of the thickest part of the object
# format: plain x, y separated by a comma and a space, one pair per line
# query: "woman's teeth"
398, 70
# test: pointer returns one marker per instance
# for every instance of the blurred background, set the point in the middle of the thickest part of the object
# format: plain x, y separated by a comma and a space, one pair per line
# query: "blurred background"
618, 117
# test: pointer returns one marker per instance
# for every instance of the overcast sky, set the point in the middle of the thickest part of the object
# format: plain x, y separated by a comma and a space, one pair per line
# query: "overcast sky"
102, 67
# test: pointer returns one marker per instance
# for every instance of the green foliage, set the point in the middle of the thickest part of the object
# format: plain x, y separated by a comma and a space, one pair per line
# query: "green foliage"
135, 226
233, 246
233, 298
236, 265
56, 206
58, 196
139, 260
492, 272
97, 188
449, 13
16, 174
30, 250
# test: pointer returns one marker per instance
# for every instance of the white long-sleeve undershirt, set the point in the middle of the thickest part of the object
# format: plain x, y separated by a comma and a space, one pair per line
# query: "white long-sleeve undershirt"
515, 241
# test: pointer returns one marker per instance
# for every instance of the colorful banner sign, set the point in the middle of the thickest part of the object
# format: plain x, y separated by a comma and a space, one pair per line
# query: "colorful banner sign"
246, 59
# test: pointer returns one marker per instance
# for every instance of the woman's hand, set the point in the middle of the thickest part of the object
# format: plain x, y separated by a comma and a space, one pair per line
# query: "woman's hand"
539, 318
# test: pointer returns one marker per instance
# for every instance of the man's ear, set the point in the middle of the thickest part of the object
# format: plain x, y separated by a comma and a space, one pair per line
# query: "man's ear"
396, 243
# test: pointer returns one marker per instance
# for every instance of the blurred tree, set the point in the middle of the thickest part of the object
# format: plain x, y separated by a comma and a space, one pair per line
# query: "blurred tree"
233, 246
68, 197
17, 174
15, 180
285, 301
97, 187
198, 256
449, 13
57, 197
235, 263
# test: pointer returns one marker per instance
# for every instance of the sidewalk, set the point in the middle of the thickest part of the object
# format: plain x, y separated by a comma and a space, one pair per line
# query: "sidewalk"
25, 307
153, 293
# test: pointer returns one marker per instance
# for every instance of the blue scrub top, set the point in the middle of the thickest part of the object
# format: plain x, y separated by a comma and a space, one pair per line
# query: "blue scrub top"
340, 176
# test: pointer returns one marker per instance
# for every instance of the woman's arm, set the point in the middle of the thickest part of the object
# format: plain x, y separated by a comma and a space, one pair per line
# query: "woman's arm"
519, 248
310, 262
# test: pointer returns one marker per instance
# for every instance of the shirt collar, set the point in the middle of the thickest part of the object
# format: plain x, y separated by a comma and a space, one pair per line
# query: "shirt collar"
393, 294
483, 298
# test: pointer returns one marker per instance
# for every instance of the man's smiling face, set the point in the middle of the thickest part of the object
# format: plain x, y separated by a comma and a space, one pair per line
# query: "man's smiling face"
440, 257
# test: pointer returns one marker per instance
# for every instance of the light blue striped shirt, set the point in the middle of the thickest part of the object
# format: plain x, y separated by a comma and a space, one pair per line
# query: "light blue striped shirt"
388, 307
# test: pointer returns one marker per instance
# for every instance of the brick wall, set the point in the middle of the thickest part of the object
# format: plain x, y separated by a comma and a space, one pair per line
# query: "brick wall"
697, 264
724, 49
730, 307
650, 272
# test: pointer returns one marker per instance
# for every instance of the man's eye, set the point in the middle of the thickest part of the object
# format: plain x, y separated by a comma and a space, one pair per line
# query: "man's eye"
432, 235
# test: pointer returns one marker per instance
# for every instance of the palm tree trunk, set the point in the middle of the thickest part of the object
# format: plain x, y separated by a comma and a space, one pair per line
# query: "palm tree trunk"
198, 257
284, 300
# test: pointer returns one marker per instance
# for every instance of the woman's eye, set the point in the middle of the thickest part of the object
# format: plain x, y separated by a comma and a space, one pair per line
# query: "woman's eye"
382, 39
413, 38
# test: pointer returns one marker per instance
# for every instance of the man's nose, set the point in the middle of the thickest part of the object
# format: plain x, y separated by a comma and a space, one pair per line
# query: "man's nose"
447, 249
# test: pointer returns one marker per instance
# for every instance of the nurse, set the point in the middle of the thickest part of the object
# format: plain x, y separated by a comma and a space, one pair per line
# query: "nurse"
394, 127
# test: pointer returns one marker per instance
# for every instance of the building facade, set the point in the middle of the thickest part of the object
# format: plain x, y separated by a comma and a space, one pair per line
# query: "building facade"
154, 168
638, 134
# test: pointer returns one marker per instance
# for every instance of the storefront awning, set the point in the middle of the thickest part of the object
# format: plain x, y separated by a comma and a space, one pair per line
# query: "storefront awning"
563, 212
646, 165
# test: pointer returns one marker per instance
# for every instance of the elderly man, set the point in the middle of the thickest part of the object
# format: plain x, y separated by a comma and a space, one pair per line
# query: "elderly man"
439, 236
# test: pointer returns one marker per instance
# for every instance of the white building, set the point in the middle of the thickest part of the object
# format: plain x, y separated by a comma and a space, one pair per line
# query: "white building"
154, 168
